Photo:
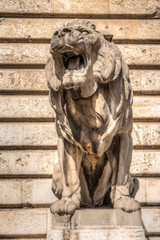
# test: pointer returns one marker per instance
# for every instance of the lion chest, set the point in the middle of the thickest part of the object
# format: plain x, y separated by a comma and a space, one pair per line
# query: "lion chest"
92, 112
88, 118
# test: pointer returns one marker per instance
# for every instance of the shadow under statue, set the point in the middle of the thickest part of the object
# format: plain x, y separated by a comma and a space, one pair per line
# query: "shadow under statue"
91, 94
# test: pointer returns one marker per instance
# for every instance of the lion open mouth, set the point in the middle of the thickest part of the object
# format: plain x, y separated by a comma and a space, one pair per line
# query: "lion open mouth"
73, 62
75, 67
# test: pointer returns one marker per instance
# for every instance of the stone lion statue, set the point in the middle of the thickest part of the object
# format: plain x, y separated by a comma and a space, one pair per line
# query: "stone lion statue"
91, 94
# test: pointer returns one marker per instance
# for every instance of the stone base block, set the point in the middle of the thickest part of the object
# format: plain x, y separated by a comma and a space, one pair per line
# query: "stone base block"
97, 224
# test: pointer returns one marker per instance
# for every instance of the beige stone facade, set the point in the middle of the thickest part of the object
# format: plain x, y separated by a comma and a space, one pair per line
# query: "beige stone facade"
28, 138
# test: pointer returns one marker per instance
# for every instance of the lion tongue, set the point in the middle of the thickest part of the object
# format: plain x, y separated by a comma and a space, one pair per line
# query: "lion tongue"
73, 63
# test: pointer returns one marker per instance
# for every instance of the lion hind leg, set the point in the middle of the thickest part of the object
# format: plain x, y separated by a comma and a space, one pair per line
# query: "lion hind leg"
122, 188
121, 196
103, 185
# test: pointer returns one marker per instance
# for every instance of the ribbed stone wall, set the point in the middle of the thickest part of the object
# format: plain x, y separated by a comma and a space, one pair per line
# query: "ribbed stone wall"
27, 132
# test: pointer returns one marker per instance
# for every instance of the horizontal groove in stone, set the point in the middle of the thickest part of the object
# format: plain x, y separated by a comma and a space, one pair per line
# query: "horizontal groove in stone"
146, 147
45, 120
116, 41
29, 120
29, 176
23, 238
81, 16
22, 66
49, 176
26, 40
24, 92
27, 236
29, 147
146, 119
46, 92
147, 93
42, 66
146, 67
24, 205
36, 206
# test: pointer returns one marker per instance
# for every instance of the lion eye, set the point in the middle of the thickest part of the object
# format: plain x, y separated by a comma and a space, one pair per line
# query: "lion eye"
56, 32
85, 32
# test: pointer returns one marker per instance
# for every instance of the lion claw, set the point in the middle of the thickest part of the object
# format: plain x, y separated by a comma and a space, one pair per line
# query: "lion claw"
127, 204
63, 206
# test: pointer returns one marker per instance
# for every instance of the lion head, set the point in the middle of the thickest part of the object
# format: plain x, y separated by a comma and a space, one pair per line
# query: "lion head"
83, 58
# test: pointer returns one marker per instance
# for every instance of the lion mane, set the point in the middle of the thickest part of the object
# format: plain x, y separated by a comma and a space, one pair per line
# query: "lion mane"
91, 94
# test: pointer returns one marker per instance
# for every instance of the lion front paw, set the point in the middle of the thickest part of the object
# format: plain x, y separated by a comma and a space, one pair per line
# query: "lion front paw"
63, 206
127, 204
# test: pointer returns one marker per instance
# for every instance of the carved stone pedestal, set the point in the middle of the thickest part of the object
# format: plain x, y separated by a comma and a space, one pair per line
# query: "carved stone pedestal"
97, 224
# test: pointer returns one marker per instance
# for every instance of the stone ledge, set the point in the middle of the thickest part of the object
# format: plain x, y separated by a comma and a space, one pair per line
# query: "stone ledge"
99, 223
97, 218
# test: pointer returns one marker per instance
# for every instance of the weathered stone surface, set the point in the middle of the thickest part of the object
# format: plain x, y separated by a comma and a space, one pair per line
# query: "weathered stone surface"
115, 7
149, 191
26, 192
11, 192
146, 162
44, 134
121, 29
27, 162
40, 162
24, 53
22, 6
32, 134
22, 28
146, 107
33, 221
22, 79
146, 134
38, 192
82, 7
140, 54
151, 220
39, 107
23, 222
17, 53
144, 25
70, 7
26, 107
136, 7
143, 81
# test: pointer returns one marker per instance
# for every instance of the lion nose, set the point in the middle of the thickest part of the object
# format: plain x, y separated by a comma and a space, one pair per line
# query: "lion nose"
62, 31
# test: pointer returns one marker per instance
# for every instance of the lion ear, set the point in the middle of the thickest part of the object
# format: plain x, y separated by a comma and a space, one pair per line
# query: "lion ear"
108, 36
52, 81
